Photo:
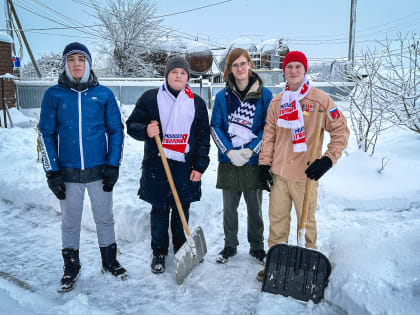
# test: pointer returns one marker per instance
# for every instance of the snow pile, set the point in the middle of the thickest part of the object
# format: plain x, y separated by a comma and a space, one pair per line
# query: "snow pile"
368, 226
18, 119
376, 268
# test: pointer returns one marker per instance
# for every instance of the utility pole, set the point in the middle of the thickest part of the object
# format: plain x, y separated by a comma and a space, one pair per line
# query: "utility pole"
352, 31
12, 8
9, 25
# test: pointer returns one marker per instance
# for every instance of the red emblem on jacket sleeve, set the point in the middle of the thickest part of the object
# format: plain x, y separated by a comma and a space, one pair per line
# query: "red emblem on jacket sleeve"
335, 114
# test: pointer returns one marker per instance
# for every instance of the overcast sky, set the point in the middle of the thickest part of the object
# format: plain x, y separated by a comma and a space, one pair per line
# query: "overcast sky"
319, 28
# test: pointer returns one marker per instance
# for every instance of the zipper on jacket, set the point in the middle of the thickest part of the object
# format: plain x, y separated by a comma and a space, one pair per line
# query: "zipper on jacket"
79, 101
82, 160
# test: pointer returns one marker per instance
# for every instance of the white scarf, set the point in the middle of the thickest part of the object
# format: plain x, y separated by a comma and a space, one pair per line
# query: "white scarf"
291, 116
176, 117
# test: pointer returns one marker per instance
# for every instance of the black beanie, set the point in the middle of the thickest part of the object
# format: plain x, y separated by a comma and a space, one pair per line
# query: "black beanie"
76, 48
177, 62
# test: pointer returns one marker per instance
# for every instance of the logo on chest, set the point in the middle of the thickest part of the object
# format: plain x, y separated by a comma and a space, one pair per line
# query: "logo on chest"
175, 142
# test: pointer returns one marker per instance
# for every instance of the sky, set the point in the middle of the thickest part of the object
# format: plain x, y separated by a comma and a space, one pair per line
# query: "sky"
319, 28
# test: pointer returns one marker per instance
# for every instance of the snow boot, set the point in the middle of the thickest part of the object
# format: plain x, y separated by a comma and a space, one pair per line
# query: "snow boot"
259, 255
226, 254
110, 263
71, 269
158, 261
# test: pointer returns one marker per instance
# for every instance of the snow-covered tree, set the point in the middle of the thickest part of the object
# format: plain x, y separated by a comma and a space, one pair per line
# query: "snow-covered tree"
386, 90
368, 116
50, 65
130, 28
399, 81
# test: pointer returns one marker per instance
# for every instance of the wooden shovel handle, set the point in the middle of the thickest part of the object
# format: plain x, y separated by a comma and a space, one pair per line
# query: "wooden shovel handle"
309, 181
172, 185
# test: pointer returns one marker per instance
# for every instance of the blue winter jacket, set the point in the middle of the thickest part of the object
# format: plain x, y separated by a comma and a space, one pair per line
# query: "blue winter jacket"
219, 124
80, 129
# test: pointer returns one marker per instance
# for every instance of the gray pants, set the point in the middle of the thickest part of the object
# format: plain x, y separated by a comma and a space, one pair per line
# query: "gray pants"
72, 208
253, 201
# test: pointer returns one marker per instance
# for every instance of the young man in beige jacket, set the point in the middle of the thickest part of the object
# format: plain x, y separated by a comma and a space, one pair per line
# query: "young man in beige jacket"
287, 143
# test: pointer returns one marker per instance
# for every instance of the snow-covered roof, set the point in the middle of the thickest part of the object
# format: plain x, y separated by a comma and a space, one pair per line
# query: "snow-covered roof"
244, 43
269, 45
170, 45
5, 38
198, 47
8, 76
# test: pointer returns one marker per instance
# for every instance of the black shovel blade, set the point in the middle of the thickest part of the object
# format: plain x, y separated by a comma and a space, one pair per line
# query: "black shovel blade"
301, 273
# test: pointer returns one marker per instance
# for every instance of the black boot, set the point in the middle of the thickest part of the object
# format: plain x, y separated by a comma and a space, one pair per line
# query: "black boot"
158, 262
71, 269
110, 262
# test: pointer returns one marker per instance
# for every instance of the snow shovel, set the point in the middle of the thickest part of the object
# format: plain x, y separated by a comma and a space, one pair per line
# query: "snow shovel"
194, 249
296, 271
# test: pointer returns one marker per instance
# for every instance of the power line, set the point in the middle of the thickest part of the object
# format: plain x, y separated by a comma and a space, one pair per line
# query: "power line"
195, 9
57, 13
159, 16
80, 29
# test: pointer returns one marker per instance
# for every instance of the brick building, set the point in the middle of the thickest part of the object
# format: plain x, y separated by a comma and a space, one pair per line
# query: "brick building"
6, 66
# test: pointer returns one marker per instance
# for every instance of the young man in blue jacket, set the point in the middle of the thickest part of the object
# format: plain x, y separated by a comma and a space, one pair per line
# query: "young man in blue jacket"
81, 143
237, 124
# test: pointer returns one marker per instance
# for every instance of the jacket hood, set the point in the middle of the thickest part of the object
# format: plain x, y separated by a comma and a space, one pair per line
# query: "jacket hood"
64, 81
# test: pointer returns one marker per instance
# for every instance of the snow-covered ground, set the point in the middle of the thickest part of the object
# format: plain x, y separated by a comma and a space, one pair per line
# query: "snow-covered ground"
368, 226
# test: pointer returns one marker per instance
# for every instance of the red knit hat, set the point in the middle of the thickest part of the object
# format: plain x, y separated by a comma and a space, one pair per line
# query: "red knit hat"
295, 56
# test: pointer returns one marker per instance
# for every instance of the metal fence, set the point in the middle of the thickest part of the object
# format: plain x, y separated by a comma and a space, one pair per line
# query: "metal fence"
29, 94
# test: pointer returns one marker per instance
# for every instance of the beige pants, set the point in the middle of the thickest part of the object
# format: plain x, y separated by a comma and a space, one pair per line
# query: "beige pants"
283, 192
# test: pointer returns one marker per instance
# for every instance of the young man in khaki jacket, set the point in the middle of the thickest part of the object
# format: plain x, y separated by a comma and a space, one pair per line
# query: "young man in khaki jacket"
287, 143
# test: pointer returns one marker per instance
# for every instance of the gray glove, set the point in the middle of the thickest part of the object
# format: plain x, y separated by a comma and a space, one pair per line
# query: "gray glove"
236, 158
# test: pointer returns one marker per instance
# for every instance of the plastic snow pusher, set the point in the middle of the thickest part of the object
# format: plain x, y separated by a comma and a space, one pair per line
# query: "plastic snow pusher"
194, 249
296, 271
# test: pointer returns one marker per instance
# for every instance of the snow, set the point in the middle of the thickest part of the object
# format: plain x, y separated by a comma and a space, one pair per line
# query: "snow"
8, 76
198, 48
18, 119
170, 45
244, 43
5, 38
268, 45
368, 225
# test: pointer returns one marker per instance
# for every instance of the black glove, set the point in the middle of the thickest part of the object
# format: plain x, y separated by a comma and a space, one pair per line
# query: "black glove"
266, 179
110, 177
318, 168
56, 183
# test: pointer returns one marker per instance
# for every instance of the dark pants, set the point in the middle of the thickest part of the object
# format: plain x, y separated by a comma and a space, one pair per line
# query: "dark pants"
159, 224
253, 201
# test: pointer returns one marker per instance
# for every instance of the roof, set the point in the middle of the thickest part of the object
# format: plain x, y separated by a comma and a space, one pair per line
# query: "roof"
5, 38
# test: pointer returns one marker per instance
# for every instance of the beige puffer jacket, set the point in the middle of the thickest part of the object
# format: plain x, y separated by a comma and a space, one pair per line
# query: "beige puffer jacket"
277, 146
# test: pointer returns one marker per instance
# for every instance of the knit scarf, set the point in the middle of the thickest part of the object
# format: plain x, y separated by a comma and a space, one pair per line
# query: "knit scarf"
176, 116
241, 118
291, 116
